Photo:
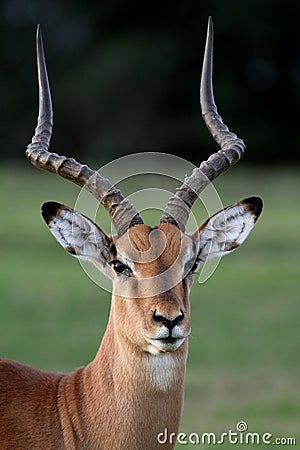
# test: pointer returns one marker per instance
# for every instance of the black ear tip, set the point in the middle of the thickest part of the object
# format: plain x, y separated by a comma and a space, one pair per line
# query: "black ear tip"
254, 205
50, 211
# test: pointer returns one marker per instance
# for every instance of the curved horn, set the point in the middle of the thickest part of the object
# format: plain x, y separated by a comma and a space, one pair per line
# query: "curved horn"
232, 148
120, 209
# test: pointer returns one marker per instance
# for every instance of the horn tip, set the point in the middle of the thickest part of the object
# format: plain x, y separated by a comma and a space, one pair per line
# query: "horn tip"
210, 28
39, 39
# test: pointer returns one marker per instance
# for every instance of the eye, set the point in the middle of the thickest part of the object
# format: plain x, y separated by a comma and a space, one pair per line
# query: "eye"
195, 265
119, 267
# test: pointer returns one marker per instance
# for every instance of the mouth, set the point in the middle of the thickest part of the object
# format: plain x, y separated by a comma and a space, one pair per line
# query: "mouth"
168, 344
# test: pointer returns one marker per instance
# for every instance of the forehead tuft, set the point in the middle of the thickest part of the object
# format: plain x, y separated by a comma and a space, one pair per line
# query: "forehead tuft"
139, 237
158, 247
170, 229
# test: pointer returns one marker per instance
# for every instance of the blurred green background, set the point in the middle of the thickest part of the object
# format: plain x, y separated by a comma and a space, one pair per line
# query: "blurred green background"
244, 350
125, 79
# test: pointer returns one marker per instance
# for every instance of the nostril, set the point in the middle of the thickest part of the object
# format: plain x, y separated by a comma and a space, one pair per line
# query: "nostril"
158, 317
169, 323
178, 318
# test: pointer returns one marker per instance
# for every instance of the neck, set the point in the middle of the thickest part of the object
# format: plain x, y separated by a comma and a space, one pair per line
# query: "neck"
134, 394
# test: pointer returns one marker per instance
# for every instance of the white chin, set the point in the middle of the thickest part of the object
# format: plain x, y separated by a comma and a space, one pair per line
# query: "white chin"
165, 345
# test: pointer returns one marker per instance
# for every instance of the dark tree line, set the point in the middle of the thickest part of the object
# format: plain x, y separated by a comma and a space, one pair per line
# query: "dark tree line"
125, 75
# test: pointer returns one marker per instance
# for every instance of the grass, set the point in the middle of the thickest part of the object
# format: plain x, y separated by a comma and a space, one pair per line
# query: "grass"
244, 351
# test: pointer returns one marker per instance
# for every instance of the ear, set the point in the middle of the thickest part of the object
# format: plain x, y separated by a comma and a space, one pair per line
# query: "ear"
227, 229
77, 234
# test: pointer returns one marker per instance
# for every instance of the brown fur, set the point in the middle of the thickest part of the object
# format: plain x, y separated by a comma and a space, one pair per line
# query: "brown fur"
126, 395
133, 389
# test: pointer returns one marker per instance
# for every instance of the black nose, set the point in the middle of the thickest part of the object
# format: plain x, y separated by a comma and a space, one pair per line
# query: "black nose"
170, 324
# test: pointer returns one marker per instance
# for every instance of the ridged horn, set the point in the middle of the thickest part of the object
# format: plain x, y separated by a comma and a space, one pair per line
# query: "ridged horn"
232, 148
123, 214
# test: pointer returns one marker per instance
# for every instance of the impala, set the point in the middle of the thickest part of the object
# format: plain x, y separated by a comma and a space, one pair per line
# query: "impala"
133, 389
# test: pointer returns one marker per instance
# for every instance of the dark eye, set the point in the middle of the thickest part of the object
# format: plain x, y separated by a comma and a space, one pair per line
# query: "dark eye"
195, 266
119, 267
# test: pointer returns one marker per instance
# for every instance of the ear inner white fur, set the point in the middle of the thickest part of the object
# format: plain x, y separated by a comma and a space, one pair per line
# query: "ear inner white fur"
225, 231
76, 233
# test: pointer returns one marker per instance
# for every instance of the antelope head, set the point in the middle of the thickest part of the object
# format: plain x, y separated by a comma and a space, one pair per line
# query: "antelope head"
152, 269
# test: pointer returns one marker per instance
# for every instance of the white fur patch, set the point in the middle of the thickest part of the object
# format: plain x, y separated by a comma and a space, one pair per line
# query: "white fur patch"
163, 332
162, 370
